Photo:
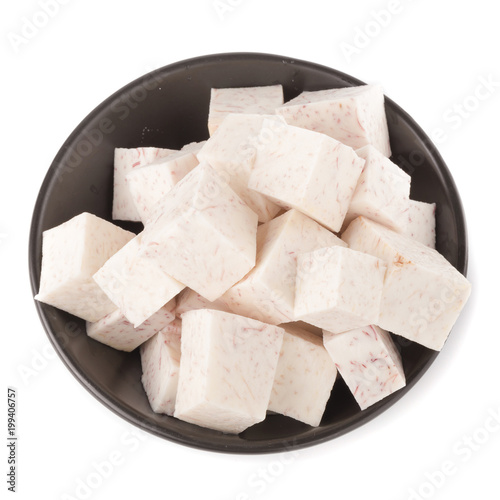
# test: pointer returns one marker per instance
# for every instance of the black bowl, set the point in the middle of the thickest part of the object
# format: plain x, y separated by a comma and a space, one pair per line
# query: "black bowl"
168, 108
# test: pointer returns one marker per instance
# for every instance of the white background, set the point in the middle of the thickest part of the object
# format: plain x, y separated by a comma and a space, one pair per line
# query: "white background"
430, 57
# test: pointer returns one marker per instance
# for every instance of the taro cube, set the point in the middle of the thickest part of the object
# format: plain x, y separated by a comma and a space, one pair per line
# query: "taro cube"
256, 100
267, 292
127, 160
304, 377
135, 283
71, 253
315, 174
353, 115
422, 223
203, 234
338, 289
231, 152
228, 364
160, 360
117, 332
423, 293
149, 184
189, 300
382, 193
193, 147
368, 361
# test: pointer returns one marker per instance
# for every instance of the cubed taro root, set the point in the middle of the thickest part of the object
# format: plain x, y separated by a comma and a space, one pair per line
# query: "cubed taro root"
309, 171
353, 115
136, 284
422, 222
228, 364
202, 234
71, 253
160, 361
304, 377
117, 332
423, 293
189, 300
267, 292
127, 160
338, 288
231, 152
256, 100
382, 193
368, 361
149, 184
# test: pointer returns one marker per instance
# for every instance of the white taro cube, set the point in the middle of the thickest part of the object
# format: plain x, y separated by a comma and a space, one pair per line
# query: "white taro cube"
368, 361
71, 253
135, 283
149, 184
256, 100
423, 293
228, 364
304, 377
338, 289
353, 115
127, 160
193, 147
189, 300
203, 234
422, 222
382, 193
267, 292
116, 331
160, 361
231, 151
315, 174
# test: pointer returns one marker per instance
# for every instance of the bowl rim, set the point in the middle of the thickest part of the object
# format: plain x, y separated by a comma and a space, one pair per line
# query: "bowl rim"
127, 413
